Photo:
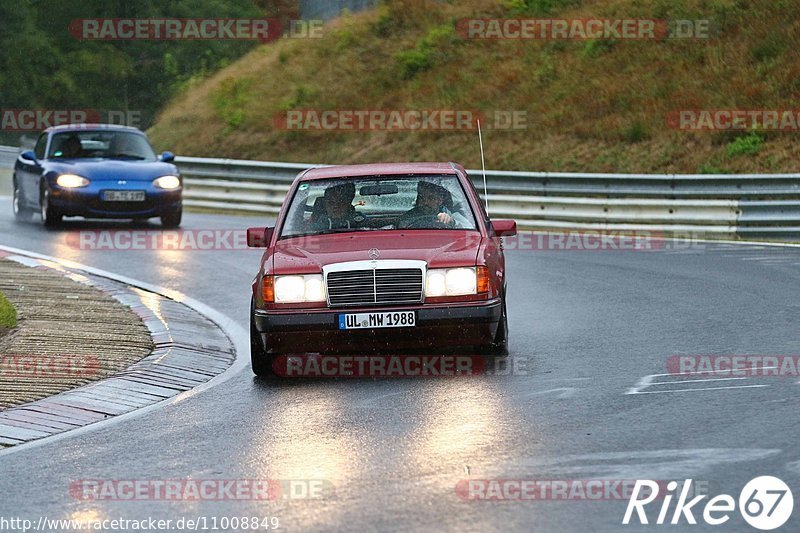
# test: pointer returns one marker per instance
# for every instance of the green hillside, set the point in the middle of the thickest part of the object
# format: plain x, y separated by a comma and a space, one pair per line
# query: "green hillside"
591, 105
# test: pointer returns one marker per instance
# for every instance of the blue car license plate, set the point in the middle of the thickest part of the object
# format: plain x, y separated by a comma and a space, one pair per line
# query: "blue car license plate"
123, 196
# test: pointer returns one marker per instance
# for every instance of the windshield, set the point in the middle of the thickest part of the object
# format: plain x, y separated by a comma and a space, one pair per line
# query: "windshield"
374, 203
100, 144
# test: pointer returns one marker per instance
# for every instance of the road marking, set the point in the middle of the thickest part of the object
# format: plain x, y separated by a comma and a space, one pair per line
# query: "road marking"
567, 379
691, 381
642, 384
566, 392
702, 389
647, 381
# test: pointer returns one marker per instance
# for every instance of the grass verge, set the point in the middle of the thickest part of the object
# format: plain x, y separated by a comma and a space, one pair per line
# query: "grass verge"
8, 315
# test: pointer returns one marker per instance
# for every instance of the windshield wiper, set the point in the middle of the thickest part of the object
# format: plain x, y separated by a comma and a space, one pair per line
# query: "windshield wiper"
326, 232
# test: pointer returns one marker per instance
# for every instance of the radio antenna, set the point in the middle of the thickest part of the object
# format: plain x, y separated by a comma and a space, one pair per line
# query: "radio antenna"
483, 166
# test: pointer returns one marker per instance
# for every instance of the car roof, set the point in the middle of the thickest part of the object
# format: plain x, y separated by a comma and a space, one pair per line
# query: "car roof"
379, 169
91, 127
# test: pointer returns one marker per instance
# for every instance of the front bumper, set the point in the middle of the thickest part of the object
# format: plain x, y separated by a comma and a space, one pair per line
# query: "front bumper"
88, 203
437, 326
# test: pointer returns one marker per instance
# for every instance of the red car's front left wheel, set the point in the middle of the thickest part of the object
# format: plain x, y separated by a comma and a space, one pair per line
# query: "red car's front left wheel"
260, 360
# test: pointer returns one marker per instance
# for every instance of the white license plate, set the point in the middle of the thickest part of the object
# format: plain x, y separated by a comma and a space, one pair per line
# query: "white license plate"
123, 196
392, 319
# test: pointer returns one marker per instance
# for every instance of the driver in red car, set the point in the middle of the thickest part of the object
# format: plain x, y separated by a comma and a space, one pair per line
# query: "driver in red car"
430, 209
335, 209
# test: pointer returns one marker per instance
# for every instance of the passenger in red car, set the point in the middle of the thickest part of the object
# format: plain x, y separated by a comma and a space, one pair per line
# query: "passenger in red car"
335, 209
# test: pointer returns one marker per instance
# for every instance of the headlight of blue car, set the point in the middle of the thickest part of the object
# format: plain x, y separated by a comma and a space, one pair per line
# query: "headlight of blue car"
71, 181
167, 182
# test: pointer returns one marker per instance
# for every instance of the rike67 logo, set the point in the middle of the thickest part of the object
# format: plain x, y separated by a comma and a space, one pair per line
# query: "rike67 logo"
765, 503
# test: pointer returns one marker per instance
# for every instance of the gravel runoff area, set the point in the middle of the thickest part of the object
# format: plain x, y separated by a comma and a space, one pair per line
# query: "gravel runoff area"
68, 334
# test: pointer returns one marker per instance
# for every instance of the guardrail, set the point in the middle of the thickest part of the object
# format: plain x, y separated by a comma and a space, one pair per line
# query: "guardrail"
8, 155
755, 206
749, 205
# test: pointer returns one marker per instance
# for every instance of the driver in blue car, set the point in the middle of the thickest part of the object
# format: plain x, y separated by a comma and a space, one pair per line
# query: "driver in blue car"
432, 209
335, 209
71, 148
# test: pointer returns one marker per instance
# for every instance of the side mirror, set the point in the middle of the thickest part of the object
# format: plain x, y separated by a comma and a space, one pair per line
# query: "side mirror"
28, 155
504, 227
167, 157
259, 237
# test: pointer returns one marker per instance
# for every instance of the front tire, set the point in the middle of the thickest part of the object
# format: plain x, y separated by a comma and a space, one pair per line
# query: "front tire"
172, 220
50, 216
499, 345
260, 360
21, 213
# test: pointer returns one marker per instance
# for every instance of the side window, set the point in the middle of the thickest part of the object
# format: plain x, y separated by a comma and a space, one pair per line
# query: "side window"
41, 144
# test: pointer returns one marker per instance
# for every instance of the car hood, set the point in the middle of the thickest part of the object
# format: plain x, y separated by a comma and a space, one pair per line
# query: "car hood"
439, 248
114, 169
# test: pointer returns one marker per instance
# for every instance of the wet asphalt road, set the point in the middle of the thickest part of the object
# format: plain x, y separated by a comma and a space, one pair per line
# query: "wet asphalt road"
586, 327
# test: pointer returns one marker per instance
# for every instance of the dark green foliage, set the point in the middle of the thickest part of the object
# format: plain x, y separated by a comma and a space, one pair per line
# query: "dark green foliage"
44, 67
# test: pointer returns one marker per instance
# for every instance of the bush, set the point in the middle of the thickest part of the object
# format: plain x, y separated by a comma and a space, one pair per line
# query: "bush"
230, 101
430, 49
303, 96
537, 7
636, 133
597, 47
413, 62
746, 145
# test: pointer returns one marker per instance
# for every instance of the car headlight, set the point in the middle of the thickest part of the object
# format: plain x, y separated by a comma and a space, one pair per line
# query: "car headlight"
451, 282
167, 182
71, 181
299, 289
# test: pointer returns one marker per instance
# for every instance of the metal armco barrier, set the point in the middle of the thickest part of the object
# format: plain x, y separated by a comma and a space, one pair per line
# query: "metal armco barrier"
745, 205
8, 155
749, 206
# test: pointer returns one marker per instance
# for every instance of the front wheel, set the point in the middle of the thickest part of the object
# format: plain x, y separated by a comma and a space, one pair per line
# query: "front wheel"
259, 359
172, 220
21, 213
50, 216
499, 345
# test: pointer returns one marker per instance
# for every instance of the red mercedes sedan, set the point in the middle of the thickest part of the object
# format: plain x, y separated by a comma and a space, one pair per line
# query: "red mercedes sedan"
379, 258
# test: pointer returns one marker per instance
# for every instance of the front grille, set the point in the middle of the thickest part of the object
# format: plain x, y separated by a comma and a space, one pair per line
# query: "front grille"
375, 286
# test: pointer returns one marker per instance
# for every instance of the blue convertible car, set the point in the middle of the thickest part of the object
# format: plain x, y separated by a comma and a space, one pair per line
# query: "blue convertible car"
96, 171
